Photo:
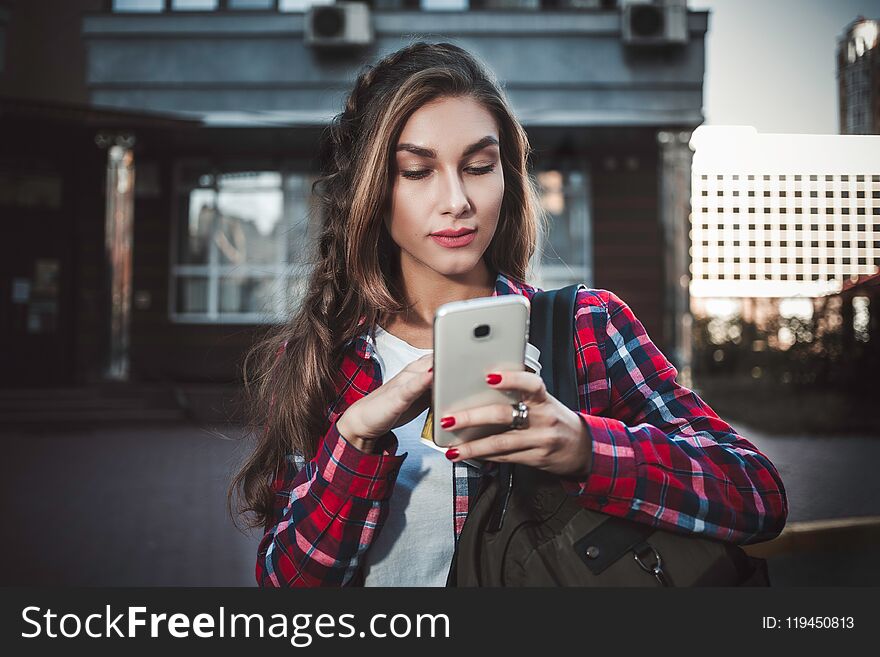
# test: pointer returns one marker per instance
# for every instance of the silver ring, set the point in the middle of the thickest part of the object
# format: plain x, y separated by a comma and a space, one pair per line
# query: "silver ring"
520, 416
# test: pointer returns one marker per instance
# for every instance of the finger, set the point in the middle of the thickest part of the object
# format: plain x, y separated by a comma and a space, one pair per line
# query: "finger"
423, 363
530, 384
416, 385
499, 445
493, 414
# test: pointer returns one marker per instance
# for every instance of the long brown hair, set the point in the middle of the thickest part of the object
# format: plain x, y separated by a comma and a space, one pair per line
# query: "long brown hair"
353, 273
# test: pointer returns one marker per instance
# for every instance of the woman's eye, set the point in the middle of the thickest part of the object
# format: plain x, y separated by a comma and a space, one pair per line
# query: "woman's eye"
477, 171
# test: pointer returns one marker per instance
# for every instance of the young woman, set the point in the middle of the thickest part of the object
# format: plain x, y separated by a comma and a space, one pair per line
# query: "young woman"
427, 199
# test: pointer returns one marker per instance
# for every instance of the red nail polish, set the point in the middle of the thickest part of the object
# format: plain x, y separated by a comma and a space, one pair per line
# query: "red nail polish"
452, 453
492, 379
447, 422
430, 369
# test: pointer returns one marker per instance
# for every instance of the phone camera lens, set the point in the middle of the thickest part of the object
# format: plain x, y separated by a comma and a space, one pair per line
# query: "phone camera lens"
481, 331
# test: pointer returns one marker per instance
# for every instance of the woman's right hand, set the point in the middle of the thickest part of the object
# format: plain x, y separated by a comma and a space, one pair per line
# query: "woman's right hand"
394, 403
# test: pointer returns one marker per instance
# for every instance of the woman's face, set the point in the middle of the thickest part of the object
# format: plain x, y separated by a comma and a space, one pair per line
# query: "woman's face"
447, 177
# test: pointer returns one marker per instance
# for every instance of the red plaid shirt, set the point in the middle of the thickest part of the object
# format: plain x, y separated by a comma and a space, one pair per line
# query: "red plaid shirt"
660, 456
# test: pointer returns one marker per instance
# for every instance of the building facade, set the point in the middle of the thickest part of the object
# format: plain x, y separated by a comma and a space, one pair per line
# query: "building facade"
779, 215
217, 191
858, 78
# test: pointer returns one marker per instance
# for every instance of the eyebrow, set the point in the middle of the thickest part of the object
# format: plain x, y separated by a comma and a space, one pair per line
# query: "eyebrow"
488, 140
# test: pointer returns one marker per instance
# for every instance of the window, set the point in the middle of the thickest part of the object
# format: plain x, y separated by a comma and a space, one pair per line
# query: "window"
241, 236
194, 5
138, 5
300, 5
566, 256
251, 4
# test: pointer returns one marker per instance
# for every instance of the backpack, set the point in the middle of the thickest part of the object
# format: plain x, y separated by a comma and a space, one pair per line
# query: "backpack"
524, 529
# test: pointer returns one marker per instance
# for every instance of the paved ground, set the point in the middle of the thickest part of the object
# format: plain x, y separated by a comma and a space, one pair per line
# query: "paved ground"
134, 506
829, 477
826, 477
145, 505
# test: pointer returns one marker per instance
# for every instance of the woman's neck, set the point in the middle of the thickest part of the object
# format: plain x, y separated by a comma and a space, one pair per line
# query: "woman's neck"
427, 290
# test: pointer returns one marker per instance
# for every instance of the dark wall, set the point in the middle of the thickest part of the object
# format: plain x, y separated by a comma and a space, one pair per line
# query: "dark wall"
45, 56
627, 238
65, 345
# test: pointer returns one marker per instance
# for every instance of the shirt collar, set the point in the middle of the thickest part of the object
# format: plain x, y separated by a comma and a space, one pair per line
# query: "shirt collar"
365, 341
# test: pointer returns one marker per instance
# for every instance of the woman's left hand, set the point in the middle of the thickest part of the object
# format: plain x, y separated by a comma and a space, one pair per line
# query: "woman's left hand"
556, 439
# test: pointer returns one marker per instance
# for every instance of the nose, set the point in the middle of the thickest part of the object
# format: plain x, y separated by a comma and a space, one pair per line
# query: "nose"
456, 196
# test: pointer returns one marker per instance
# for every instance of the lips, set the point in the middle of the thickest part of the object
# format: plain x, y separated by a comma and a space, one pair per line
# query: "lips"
454, 233
454, 239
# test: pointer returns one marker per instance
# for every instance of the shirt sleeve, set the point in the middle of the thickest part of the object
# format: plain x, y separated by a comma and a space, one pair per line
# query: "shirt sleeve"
327, 513
660, 454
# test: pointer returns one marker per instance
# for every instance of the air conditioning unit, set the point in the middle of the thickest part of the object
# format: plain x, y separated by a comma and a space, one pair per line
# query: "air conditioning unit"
340, 25
659, 23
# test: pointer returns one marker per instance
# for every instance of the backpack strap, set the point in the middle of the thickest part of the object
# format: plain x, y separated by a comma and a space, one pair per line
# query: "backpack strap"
551, 324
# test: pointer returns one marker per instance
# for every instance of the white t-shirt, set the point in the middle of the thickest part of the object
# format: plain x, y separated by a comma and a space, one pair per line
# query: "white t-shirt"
415, 545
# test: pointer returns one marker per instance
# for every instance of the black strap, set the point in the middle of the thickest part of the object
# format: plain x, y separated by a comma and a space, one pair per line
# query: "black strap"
551, 324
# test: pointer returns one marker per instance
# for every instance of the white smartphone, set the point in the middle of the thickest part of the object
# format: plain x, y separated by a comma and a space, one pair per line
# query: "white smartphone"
471, 339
